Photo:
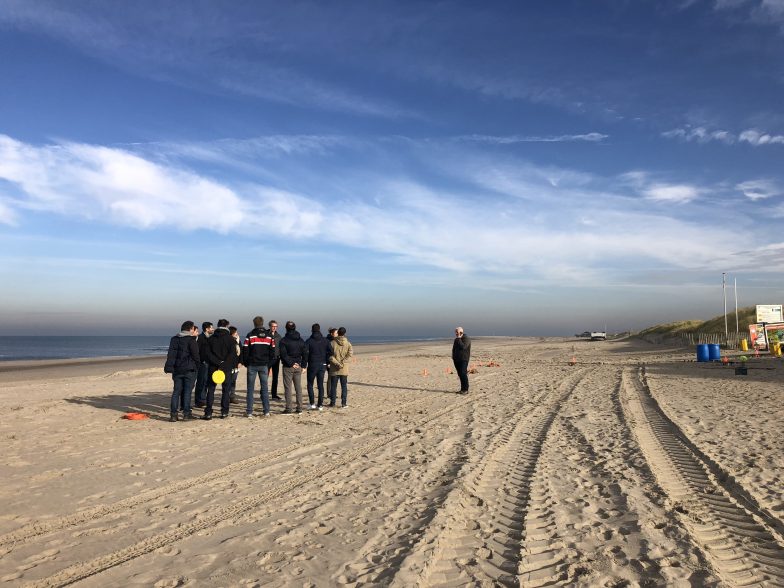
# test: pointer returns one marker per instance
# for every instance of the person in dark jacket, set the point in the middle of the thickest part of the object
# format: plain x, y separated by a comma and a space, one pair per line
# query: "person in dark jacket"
294, 357
201, 377
319, 350
461, 355
275, 365
258, 353
221, 356
182, 361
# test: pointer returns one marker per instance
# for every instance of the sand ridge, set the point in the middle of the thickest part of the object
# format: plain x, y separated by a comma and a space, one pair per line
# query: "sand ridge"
635, 466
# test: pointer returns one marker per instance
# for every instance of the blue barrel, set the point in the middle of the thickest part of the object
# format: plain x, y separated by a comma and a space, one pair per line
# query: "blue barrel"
702, 352
714, 352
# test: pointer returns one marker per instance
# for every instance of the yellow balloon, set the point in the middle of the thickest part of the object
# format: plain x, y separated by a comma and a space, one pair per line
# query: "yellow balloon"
218, 377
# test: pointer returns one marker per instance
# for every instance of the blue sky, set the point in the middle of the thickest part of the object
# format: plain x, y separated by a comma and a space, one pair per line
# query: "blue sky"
397, 167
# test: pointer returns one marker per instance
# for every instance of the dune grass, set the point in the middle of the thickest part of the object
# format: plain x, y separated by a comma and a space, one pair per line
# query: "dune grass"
746, 316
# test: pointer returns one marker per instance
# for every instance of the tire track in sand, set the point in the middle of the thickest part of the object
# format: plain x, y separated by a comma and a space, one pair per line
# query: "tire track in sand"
84, 570
733, 533
476, 536
91, 515
380, 558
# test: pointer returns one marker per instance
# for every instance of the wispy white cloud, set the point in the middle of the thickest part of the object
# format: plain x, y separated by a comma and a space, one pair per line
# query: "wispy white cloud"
700, 135
757, 138
760, 189
753, 137
592, 137
506, 217
674, 193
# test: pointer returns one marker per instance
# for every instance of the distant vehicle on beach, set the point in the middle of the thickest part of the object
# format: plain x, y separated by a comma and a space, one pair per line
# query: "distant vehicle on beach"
598, 335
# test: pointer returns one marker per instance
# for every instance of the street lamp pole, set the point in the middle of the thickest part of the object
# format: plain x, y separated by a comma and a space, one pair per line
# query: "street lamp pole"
724, 290
737, 322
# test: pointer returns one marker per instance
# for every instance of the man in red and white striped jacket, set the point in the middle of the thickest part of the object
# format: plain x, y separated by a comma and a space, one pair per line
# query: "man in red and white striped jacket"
258, 353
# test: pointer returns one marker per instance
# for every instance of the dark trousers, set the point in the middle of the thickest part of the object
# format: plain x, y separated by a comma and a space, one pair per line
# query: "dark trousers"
225, 393
181, 395
461, 367
275, 367
201, 382
316, 373
333, 390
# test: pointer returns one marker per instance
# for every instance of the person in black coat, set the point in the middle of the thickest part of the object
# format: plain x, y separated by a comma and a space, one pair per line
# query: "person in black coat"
182, 361
275, 365
319, 350
221, 357
461, 355
201, 377
294, 357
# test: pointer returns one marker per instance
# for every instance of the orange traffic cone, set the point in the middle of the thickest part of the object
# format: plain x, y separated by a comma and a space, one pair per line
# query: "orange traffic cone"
425, 373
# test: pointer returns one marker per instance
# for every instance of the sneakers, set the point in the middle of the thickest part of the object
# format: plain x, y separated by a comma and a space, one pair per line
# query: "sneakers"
266, 414
249, 415
224, 415
287, 411
173, 418
188, 416
201, 404
312, 407
298, 411
344, 406
320, 408
207, 417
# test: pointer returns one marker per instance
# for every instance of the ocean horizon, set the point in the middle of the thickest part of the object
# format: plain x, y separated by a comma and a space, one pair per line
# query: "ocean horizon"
31, 347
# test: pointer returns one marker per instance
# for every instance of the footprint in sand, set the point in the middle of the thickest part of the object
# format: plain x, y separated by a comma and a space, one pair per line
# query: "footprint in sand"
169, 551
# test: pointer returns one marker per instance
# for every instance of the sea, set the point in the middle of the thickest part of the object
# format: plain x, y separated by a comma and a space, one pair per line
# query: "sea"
24, 347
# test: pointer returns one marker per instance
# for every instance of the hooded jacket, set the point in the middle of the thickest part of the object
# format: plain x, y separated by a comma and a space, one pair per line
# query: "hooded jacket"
319, 350
183, 354
222, 350
258, 348
293, 350
341, 352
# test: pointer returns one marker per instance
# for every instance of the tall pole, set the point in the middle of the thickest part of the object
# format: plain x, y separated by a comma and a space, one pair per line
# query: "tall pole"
724, 290
737, 323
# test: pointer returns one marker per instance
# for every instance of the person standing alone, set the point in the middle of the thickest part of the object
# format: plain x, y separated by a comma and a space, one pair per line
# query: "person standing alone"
461, 355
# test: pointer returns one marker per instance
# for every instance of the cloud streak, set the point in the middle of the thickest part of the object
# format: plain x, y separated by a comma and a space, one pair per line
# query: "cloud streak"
556, 225
753, 137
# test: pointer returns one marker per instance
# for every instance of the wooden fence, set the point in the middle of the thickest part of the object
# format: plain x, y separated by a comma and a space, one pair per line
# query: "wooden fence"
731, 341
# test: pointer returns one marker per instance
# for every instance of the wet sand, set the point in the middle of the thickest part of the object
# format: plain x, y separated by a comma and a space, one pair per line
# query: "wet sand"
634, 466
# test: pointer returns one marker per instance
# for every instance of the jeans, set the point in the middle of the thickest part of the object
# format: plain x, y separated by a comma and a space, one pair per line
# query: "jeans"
275, 367
461, 367
333, 390
225, 393
183, 387
262, 371
292, 376
316, 373
201, 382
233, 378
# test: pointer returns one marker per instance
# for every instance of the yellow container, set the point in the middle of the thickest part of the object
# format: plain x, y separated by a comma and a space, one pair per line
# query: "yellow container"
744, 345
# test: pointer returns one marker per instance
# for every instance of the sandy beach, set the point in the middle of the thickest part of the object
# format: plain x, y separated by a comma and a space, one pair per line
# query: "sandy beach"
636, 466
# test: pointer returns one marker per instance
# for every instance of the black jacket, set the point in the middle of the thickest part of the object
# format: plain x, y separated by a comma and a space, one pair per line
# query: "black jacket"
276, 338
319, 350
293, 350
461, 348
183, 354
258, 348
201, 341
222, 350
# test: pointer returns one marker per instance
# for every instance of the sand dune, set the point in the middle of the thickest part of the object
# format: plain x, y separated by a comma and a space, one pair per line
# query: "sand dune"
635, 466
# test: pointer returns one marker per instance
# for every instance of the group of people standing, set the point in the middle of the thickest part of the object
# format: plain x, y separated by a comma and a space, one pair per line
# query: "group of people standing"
213, 356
